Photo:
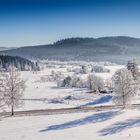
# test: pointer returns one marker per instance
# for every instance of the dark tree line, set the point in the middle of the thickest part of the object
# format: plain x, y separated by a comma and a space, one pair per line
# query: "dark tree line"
20, 63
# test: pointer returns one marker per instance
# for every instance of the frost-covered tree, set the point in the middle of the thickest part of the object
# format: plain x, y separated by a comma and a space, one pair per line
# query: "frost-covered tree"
77, 81
132, 66
72, 81
95, 83
56, 76
125, 87
84, 70
66, 82
12, 88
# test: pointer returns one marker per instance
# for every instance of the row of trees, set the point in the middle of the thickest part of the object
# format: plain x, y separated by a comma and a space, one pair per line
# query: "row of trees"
11, 89
89, 69
124, 83
20, 63
92, 82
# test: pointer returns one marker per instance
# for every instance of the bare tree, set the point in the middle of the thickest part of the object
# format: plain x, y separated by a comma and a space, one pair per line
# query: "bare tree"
1, 102
125, 87
95, 83
12, 88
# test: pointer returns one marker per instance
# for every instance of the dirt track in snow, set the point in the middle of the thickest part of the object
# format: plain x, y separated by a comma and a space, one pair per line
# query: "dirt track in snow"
59, 111
64, 110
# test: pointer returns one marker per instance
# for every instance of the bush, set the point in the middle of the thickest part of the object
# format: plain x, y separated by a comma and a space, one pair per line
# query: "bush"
100, 69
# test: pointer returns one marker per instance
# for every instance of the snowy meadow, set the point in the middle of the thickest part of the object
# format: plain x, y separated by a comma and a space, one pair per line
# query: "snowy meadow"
67, 85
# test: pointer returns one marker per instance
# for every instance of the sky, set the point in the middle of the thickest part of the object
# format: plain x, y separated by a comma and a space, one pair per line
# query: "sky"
34, 22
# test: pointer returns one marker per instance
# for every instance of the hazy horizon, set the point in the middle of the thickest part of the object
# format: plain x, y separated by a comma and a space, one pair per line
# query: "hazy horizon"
35, 22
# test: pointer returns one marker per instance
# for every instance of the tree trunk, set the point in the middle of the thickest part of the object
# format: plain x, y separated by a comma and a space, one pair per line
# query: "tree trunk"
123, 101
12, 110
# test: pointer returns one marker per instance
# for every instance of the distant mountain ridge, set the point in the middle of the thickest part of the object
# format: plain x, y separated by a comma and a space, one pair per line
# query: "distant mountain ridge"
116, 49
5, 48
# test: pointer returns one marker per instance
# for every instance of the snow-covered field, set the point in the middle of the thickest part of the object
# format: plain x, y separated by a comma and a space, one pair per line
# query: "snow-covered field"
93, 125
109, 125
46, 95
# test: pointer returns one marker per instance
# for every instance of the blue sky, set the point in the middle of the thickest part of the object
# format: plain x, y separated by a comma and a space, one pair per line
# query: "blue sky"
32, 22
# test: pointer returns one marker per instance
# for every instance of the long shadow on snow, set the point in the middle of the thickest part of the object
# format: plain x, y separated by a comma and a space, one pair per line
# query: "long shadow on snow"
120, 126
98, 117
101, 100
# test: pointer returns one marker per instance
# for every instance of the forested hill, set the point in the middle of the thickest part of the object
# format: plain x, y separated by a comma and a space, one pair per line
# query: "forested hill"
18, 62
116, 49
